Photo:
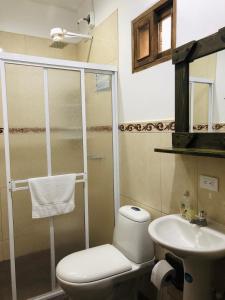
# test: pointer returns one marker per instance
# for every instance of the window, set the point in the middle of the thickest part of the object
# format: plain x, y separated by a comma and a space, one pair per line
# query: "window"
154, 35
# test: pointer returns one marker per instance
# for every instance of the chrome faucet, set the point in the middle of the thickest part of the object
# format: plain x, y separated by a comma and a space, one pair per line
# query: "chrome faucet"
200, 219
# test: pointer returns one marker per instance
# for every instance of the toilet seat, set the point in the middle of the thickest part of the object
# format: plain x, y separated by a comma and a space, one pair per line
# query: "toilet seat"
92, 264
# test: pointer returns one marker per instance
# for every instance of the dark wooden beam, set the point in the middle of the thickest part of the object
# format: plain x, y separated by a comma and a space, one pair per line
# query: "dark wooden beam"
193, 152
209, 45
182, 97
206, 140
182, 53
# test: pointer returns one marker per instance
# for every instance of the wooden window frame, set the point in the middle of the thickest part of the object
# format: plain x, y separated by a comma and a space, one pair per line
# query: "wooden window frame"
152, 17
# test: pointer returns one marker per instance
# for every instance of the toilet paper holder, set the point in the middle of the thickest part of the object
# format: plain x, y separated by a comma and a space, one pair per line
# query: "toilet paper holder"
175, 278
177, 264
162, 274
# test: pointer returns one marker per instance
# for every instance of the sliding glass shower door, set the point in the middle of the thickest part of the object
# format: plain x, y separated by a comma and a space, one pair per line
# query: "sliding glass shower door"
27, 144
57, 119
29, 158
100, 157
65, 109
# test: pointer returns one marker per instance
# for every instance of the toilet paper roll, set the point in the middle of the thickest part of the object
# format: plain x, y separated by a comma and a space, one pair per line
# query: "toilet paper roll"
161, 274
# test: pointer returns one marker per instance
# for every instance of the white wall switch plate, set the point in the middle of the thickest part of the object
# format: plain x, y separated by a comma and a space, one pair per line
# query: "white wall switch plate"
209, 183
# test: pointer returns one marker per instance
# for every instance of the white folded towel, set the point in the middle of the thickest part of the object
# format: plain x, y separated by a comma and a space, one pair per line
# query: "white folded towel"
53, 195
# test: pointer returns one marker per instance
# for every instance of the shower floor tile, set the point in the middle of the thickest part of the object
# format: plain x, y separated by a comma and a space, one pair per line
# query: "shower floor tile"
31, 281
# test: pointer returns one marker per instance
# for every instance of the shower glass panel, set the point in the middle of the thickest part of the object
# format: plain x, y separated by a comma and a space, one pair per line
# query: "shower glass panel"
25, 92
67, 153
100, 157
47, 117
5, 280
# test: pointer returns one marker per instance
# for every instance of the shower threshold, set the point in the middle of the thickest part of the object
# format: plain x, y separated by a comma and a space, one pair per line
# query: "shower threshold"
58, 294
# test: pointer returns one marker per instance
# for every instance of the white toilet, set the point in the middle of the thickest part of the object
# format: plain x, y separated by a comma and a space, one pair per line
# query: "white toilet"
96, 273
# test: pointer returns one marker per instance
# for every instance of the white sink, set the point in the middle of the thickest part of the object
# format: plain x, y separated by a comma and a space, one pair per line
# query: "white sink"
185, 239
197, 246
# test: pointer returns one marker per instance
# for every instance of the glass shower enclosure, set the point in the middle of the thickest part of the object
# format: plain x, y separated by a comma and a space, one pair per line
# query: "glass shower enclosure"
59, 117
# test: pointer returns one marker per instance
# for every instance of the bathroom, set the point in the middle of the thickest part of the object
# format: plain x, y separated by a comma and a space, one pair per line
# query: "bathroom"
86, 105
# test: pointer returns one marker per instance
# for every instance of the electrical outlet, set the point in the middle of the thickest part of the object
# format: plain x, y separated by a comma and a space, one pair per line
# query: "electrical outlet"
209, 183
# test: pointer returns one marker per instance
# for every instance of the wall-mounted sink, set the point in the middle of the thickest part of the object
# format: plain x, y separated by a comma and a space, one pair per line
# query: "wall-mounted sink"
185, 239
197, 246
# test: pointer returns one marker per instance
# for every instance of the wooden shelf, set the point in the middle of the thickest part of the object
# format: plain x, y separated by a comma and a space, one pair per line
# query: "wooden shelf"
193, 152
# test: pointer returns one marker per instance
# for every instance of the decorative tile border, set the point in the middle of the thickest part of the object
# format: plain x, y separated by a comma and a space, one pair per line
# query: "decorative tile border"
204, 127
161, 126
26, 130
100, 128
219, 127
164, 126
145, 127
41, 130
200, 127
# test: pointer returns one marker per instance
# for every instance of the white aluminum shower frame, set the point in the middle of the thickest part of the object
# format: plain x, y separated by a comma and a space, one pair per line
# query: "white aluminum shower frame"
12, 186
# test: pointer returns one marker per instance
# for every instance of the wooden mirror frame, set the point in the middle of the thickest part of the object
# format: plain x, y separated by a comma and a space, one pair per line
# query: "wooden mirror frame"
182, 57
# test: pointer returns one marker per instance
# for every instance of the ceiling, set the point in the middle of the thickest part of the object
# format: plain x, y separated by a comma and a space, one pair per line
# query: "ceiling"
66, 4
23, 16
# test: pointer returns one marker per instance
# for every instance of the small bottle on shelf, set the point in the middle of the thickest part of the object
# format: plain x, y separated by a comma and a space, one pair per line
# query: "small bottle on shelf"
185, 205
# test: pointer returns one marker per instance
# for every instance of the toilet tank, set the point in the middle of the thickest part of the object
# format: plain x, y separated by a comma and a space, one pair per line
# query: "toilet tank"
131, 234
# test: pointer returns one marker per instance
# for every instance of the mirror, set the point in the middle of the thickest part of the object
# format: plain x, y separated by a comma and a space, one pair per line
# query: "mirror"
207, 93
200, 95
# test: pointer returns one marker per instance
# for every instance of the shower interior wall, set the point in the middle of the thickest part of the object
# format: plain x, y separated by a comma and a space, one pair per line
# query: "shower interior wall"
27, 151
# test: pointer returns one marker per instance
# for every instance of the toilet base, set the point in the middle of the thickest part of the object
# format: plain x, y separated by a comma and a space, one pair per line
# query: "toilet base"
126, 290
95, 293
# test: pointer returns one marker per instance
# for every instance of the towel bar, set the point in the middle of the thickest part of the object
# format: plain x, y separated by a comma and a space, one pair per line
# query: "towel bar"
14, 183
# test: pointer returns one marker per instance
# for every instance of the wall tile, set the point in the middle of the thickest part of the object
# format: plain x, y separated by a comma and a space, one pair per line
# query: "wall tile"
212, 202
140, 168
104, 46
1, 251
178, 174
41, 47
162, 188
2, 162
103, 52
108, 29
12, 42
5, 248
128, 201
101, 202
4, 214
98, 103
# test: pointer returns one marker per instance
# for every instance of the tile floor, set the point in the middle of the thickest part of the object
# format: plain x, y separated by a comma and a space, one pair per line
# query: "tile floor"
33, 277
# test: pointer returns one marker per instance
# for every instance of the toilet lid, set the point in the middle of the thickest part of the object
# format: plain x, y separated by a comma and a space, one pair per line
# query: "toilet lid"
92, 264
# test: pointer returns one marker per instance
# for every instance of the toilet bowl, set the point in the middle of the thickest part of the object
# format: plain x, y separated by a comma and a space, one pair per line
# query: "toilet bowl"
96, 272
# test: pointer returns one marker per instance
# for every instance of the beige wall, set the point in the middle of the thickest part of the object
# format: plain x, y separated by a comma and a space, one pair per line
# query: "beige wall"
103, 48
22, 44
28, 154
157, 181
